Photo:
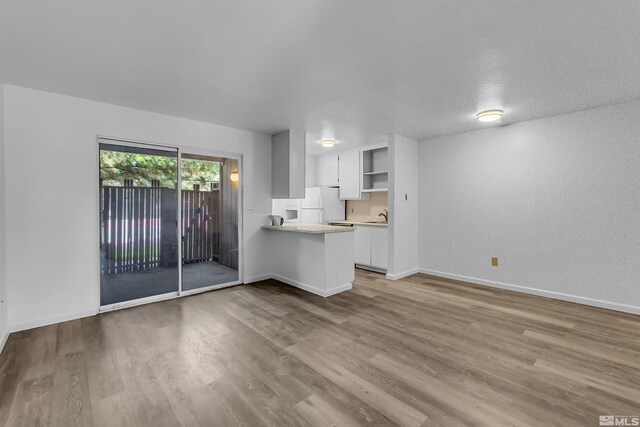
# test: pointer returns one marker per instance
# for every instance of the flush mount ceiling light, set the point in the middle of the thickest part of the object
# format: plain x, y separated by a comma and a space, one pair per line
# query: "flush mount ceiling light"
489, 116
328, 143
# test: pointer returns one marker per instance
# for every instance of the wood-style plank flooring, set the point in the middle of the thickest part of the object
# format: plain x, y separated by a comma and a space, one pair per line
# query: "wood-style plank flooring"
422, 351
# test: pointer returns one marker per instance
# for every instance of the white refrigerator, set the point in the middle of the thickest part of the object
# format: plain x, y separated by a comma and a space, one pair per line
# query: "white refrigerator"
321, 205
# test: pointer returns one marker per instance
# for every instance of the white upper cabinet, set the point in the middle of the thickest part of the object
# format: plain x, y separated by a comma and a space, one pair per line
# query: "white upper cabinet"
349, 174
375, 170
357, 172
327, 170
288, 165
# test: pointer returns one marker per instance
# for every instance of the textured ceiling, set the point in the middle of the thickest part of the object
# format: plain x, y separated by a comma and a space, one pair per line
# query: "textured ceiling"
350, 70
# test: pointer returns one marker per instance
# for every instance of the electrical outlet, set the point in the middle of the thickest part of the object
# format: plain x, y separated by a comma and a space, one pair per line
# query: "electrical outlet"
352, 210
494, 261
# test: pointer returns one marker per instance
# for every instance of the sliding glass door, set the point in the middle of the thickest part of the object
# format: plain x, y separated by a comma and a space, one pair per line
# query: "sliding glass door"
169, 222
209, 226
138, 222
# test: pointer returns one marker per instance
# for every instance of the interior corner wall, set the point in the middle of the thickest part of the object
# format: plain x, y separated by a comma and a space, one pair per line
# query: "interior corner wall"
4, 328
52, 195
557, 200
403, 207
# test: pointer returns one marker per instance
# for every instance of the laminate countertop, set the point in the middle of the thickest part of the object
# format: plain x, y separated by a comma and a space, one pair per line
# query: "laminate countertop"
308, 228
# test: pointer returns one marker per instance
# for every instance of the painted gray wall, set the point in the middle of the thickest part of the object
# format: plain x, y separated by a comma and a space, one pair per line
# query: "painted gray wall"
310, 171
297, 164
280, 165
288, 164
556, 199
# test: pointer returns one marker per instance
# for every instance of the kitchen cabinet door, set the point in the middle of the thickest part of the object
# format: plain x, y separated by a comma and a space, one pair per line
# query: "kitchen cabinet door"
349, 175
363, 245
327, 170
379, 247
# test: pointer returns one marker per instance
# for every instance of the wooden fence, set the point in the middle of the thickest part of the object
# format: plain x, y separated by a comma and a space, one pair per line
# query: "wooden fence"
138, 228
200, 226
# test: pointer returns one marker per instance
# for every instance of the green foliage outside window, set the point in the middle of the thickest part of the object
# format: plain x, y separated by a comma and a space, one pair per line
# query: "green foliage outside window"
142, 169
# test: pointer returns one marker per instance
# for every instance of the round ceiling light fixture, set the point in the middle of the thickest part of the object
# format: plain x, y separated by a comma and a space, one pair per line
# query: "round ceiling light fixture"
328, 143
489, 116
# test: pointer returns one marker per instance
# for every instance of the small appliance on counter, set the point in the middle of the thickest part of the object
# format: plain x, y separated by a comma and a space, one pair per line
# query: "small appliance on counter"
276, 220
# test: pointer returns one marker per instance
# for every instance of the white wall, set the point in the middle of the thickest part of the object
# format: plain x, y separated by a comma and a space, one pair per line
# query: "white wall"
310, 171
4, 329
556, 199
403, 217
52, 193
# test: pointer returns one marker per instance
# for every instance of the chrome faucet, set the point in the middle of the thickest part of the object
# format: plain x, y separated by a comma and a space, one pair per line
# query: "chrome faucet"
385, 215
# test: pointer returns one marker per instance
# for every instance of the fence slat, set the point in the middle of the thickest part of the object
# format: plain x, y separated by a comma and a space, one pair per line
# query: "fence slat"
199, 234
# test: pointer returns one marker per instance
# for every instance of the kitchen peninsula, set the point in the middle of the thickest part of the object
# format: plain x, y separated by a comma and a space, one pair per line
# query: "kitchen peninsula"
316, 258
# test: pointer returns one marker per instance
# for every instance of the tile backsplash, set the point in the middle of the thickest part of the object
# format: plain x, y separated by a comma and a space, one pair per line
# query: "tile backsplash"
362, 209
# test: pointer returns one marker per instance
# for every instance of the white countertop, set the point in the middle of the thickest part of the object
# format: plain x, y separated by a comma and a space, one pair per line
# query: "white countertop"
347, 222
308, 228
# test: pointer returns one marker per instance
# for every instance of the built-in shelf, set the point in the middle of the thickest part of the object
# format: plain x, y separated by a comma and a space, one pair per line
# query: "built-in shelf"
375, 175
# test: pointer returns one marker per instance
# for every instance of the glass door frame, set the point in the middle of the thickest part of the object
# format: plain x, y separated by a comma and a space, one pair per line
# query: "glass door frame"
180, 150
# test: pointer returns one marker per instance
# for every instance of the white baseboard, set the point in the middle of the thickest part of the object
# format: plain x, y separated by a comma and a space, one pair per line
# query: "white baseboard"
258, 278
51, 320
312, 289
539, 292
403, 274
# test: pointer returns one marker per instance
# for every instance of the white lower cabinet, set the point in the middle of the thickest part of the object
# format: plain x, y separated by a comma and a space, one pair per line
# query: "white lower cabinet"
371, 246
363, 244
379, 247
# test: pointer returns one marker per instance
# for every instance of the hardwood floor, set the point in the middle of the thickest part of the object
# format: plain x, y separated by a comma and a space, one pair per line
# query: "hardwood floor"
420, 351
